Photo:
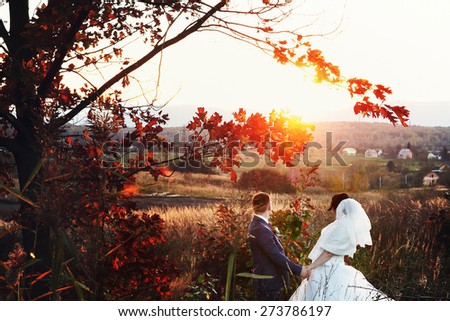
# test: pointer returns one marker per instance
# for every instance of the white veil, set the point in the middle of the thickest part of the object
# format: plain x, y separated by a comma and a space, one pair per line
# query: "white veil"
354, 216
351, 228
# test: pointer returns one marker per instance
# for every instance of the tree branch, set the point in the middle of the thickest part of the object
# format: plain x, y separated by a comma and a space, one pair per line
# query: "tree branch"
18, 13
58, 122
61, 53
5, 35
12, 120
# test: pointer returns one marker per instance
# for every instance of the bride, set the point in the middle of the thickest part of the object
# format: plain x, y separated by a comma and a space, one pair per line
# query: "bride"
329, 278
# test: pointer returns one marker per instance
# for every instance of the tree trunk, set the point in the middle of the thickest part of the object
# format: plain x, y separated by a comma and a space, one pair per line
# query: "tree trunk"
36, 232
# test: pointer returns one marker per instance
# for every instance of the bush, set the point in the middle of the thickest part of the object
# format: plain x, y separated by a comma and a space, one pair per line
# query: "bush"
268, 180
101, 249
227, 238
213, 247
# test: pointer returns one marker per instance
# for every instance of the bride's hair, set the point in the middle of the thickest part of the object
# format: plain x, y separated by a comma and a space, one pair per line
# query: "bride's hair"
260, 201
336, 199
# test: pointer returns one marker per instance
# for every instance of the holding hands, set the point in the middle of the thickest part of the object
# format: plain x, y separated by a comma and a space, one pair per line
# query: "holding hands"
306, 272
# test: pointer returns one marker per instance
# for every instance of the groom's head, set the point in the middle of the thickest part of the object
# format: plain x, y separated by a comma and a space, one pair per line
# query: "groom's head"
261, 203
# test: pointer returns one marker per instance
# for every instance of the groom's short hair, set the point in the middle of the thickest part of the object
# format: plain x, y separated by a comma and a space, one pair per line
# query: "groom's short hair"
260, 202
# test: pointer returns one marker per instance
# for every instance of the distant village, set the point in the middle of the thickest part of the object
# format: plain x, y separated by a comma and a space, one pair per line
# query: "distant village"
439, 157
430, 179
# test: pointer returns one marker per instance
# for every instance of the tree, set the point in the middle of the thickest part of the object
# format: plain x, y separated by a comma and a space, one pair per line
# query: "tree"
391, 166
444, 154
42, 54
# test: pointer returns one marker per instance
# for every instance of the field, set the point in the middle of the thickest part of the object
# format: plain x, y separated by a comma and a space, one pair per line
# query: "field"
206, 217
409, 259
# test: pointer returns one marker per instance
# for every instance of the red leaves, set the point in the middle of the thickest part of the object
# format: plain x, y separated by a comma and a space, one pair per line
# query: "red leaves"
381, 91
368, 108
118, 52
233, 175
401, 112
280, 137
115, 264
125, 81
394, 114
304, 56
131, 189
165, 171
201, 113
358, 86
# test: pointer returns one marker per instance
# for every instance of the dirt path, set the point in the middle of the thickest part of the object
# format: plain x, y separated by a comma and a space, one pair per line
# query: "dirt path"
142, 202
145, 202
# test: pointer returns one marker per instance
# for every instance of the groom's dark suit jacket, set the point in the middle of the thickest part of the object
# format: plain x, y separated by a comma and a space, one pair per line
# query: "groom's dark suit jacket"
269, 258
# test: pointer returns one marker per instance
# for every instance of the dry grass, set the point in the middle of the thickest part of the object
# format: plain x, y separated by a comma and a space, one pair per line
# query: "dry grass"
187, 184
406, 261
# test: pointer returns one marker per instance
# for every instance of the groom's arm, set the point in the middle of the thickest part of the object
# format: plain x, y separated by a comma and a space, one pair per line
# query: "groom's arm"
266, 242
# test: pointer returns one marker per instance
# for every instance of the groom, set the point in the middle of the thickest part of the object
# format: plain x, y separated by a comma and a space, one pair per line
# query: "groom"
268, 253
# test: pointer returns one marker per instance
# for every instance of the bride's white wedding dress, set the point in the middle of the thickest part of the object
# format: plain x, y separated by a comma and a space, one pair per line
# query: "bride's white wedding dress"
334, 280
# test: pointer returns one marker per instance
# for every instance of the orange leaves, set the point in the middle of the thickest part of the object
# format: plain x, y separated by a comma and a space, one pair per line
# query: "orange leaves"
201, 120
280, 55
303, 55
131, 189
240, 116
165, 172
324, 71
358, 86
279, 137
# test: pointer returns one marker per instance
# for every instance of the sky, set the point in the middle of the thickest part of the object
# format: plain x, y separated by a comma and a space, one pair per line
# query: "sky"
401, 44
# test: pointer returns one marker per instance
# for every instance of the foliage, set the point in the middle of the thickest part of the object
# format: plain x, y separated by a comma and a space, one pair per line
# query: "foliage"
266, 179
444, 178
357, 179
72, 207
444, 154
103, 250
214, 245
390, 166
292, 226
410, 256
371, 97
418, 176
202, 289
222, 251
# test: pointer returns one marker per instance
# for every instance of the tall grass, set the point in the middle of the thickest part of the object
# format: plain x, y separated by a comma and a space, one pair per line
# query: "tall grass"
409, 259
191, 184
